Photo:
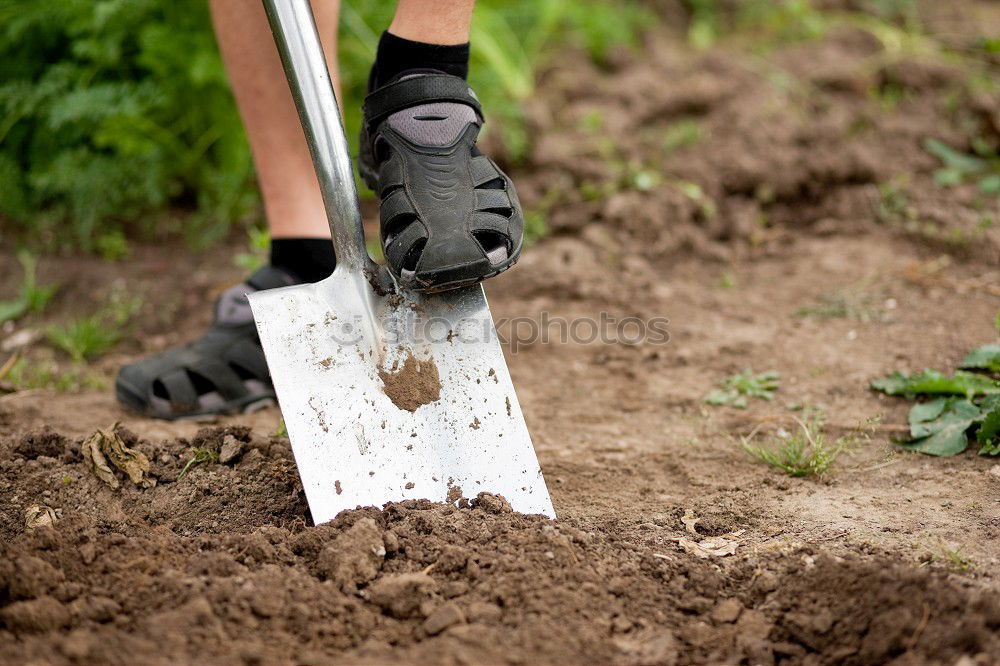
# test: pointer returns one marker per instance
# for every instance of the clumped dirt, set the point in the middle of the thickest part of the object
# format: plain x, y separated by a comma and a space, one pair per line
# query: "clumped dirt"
129, 576
413, 384
803, 182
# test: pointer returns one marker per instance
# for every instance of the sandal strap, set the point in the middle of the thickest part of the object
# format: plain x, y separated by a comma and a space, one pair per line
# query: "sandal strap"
414, 90
399, 247
483, 170
178, 384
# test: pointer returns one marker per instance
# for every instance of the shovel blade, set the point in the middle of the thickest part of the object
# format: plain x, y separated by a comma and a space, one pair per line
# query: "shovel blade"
348, 366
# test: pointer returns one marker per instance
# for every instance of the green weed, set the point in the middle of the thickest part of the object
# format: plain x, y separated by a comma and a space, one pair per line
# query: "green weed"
958, 406
860, 302
97, 124
199, 456
952, 557
33, 297
803, 452
737, 389
982, 166
28, 374
681, 134
112, 245
84, 337
258, 243
91, 335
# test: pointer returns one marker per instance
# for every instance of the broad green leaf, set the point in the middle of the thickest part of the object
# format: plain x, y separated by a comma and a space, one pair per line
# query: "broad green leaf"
932, 382
924, 412
988, 435
962, 162
986, 357
944, 435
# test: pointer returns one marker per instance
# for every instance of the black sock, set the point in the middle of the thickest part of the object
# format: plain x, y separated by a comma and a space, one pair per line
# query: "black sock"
396, 55
309, 259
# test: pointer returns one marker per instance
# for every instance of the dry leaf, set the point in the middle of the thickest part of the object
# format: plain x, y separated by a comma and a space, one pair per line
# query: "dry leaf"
100, 449
39, 515
713, 547
689, 521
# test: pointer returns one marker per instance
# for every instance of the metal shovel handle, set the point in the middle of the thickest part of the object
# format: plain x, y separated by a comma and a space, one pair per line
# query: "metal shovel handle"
309, 80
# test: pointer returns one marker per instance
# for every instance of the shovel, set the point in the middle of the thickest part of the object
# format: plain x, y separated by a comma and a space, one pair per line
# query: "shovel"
387, 394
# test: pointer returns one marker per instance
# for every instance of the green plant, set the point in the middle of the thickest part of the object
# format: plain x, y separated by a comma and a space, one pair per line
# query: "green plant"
736, 389
803, 452
952, 557
30, 373
962, 405
112, 245
932, 382
97, 124
860, 302
986, 357
983, 166
83, 337
199, 456
91, 335
705, 24
33, 297
258, 242
681, 134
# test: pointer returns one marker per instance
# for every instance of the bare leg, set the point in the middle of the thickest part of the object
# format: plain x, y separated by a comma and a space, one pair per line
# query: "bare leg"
433, 21
292, 200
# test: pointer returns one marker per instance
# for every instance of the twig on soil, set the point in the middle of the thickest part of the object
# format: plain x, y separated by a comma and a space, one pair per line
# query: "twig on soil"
26, 394
920, 627
8, 365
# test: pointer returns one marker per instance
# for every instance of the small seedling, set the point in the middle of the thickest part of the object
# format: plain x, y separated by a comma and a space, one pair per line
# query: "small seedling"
84, 337
258, 242
281, 430
736, 389
33, 297
199, 456
28, 373
859, 302
982, 167
953, 558
92, 335
681, 134
804, 452
112, 245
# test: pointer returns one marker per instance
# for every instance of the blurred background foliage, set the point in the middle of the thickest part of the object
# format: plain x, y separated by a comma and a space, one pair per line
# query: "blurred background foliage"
115, 115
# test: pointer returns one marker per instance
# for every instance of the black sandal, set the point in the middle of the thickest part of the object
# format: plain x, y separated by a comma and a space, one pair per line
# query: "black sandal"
449, 216
222, 372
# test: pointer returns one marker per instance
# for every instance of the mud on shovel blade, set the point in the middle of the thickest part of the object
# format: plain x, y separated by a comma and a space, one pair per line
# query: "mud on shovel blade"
387, 395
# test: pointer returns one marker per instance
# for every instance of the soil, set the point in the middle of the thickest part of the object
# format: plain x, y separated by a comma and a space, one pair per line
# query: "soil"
815, 243
413, 384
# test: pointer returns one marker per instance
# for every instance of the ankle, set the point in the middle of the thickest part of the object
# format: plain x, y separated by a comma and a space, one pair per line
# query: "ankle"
309, 259
397, 55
